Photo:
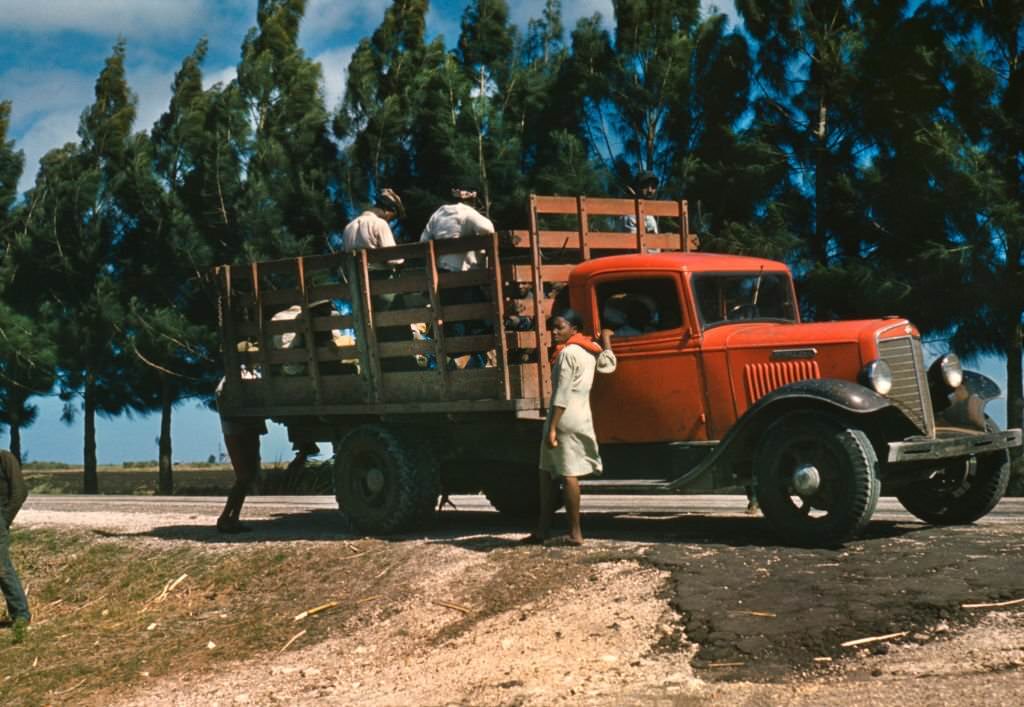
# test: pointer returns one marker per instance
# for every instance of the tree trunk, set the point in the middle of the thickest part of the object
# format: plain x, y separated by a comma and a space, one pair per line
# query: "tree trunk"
90, 479
166, 484
819, 249
1014, 382
15, 430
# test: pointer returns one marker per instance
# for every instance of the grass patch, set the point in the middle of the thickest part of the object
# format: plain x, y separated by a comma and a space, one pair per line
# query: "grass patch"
102, 621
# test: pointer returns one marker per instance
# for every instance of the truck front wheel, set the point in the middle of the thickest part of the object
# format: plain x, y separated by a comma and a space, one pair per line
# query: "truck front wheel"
816, 479
384, 481
962, 491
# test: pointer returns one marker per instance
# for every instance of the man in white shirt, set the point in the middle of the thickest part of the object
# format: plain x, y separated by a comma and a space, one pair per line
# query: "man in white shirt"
371, 228
457, 220
461, 220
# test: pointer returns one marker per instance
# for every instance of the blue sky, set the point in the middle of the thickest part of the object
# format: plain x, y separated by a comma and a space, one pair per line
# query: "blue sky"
51, 52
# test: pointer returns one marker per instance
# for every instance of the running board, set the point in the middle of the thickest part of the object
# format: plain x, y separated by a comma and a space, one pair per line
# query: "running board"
626, 486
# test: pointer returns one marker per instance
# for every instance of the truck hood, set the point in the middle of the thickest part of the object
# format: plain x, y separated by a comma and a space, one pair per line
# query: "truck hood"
763, 335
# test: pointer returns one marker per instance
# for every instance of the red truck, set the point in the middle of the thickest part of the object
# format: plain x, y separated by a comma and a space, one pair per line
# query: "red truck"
719, 384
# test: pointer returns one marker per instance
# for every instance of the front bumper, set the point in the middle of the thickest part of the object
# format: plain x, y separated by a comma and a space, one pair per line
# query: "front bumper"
927, 449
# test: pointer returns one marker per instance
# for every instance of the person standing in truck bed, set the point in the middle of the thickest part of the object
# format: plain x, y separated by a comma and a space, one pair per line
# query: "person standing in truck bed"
460, 220
569, 448
12, 495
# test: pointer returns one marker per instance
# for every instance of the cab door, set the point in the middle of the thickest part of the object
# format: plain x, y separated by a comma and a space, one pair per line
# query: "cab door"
657, 393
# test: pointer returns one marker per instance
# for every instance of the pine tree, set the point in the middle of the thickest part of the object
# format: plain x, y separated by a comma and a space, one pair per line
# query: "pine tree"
976, 164
27, 356
78, 217
377, 121
169, 317
286, 208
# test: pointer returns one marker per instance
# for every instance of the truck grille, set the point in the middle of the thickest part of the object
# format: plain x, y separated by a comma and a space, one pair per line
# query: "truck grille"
763, 378
903, 355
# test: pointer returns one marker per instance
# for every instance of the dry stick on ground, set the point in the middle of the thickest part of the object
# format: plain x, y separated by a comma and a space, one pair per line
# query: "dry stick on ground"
764, 614
993, 605
73, 687
292, 640
457, 607
315, 610
873, 639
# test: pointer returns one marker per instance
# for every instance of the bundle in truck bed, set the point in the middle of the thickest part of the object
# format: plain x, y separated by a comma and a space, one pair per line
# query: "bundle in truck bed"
341, 334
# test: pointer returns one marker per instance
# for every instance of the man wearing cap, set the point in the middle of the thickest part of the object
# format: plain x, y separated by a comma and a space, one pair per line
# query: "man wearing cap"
645, 187
12, 495
371, 228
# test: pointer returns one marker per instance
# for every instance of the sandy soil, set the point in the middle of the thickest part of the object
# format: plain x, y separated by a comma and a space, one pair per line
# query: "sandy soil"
483, 621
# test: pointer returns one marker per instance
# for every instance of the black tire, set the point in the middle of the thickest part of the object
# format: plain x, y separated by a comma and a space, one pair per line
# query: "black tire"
385, 481
848, 487
514, 492
957, 493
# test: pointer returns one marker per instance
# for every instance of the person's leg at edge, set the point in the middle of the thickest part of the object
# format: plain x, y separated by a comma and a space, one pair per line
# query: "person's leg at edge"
10, 583
572, 509
244, 452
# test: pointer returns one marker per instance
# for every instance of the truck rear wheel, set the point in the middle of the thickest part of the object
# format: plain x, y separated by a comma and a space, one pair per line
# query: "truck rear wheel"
816, 479
384, 481
961, 491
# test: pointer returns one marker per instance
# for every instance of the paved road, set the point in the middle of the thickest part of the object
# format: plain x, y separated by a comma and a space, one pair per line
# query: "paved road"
1009, 510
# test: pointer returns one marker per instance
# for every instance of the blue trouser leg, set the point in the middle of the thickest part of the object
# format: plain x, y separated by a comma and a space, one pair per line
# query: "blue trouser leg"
17, 602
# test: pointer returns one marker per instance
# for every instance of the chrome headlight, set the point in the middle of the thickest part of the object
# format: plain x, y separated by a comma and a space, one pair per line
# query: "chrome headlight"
948, 370
879, 377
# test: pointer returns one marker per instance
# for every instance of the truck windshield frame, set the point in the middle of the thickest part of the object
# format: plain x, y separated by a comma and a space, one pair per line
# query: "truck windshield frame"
731, 297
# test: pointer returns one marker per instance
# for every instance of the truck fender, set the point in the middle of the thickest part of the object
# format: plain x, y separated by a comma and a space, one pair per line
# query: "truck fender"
965, 406
816, 396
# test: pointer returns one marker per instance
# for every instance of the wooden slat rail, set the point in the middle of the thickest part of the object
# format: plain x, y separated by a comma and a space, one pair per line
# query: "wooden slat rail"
519, 262
310, 339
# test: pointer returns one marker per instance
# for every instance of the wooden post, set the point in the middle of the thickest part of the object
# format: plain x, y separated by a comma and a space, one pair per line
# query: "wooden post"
497, 292
229, 341
377, 392
440, 345
684, 226
543, 365
355, 297
641, 226
311, 357
264, 340
584, 219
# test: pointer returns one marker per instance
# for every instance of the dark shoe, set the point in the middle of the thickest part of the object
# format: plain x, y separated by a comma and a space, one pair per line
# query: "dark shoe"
232, 527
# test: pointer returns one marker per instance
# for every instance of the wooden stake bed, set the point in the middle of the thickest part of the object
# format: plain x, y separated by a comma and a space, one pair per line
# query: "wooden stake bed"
289, 351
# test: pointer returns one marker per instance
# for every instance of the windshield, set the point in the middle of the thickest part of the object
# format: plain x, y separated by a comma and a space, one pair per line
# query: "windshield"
728, 297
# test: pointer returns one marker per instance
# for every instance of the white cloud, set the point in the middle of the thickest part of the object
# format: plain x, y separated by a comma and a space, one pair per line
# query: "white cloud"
105, 17
222, 76
334, 65
325, 18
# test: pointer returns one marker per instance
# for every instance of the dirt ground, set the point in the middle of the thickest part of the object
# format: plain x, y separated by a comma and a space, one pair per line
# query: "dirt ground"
661, 609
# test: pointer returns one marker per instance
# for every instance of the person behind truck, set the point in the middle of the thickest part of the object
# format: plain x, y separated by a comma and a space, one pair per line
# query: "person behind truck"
645, 186
568, 447
12, 495
460, 219
242, 442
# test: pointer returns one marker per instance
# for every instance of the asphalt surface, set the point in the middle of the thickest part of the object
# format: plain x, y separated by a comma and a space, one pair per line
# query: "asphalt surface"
758, 610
